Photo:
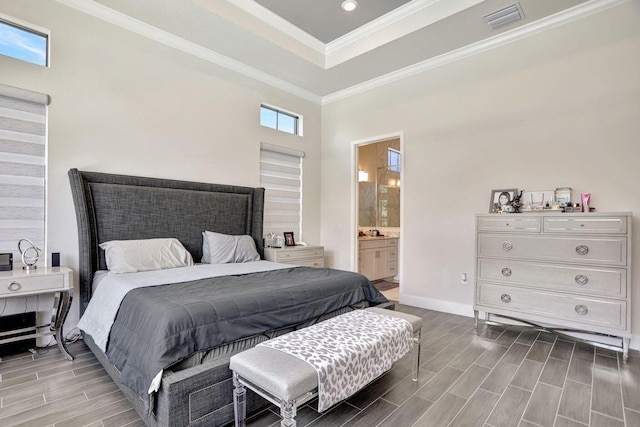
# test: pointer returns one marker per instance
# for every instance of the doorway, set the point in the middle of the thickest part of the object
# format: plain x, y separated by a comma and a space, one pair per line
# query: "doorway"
378, 211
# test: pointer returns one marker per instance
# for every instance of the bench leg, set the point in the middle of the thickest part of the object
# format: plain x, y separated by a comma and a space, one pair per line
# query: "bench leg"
239, 401
416, 356
288, 413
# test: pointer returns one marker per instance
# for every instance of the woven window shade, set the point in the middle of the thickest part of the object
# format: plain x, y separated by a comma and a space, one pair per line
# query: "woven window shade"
23, 125
281, 177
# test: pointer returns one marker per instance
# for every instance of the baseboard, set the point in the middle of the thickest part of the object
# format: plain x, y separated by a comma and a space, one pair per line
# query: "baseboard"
437, 305
467, 310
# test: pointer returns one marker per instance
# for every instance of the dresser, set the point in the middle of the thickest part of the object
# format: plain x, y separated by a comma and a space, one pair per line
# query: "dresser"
564, 271
378, 257
310, 256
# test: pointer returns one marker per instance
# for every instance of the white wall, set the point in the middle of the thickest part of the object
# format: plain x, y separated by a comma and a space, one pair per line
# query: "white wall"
555, 109
125, 104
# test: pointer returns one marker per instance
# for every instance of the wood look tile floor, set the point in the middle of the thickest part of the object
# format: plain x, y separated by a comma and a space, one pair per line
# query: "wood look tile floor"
492, 377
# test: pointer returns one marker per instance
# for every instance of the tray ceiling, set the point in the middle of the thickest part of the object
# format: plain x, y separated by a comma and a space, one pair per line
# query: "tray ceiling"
316, 50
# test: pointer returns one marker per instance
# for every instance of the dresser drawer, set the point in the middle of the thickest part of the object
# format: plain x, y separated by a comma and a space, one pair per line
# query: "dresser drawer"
299, 254
556, 307
52, 282
311, 262
610, 225
509, 223
594, 250
608, 282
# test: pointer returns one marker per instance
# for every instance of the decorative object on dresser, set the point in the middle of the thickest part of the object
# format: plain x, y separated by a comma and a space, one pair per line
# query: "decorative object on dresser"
378, 257
563, 196
564, 272
311, 256
50, 280
501, 200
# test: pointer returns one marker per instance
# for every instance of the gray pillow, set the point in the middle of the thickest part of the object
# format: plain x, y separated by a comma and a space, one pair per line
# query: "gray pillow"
220, 248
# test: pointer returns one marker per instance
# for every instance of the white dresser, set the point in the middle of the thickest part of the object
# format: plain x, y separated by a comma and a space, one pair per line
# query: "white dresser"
560, 270
310, 256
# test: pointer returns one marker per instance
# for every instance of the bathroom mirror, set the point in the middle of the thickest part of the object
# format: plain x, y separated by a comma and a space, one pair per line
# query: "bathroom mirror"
379, 184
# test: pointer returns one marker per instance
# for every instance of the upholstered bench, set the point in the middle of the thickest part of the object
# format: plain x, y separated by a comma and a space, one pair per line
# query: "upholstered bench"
288, 381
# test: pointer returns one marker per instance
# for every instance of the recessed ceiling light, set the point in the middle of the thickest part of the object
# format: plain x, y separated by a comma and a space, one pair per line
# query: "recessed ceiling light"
349, 5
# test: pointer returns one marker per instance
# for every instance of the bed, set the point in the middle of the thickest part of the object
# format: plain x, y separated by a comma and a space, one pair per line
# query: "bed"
196, 389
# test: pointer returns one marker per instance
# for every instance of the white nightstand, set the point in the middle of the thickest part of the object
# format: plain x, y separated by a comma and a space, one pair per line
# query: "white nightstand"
311, 256
45, 280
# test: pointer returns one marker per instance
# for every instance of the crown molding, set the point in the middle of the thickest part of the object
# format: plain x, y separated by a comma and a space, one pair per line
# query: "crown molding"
406, 19
126, 22
119, 19
561, 18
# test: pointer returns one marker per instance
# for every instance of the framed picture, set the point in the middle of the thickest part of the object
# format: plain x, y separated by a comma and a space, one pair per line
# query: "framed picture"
563, 196
500, 199
288, 238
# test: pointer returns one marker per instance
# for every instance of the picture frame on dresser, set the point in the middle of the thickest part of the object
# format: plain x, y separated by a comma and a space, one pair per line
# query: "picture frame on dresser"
495, 202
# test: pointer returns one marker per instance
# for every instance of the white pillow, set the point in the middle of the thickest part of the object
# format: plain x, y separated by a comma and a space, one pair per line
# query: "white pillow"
129, 256
220, 248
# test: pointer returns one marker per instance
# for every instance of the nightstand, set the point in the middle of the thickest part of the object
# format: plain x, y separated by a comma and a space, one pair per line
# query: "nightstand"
310, 256
45, 280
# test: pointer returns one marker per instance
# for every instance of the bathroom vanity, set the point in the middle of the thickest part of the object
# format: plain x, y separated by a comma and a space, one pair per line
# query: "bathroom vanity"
378, 257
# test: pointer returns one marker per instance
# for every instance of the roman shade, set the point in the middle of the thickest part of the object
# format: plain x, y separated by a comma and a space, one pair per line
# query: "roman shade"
281, 177
23, 126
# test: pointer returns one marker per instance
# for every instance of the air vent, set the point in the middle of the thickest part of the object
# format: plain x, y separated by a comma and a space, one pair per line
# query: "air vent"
504, 16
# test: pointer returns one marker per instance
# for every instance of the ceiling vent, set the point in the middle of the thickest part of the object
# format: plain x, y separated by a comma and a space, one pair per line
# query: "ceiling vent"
504, 16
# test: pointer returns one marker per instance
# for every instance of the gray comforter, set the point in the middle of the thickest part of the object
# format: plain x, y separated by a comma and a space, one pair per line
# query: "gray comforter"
160, 325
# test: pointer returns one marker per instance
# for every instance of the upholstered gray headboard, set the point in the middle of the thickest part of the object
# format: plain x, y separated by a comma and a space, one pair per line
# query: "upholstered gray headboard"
122, 207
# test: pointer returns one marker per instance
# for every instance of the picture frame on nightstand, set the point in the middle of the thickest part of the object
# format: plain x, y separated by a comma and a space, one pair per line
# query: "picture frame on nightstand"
288, 238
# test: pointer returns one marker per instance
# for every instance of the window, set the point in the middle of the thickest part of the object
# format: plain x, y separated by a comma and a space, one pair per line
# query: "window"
23, 43
274, 118
281, 176
23, 127
393, 160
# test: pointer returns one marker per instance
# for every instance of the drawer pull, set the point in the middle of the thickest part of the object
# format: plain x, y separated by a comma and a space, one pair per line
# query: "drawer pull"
506, 298
582, 249
582, 309
506, 271
581, 279
507, 245
14, 286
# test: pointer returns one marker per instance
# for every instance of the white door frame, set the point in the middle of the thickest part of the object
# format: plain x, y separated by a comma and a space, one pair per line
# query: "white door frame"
355, 195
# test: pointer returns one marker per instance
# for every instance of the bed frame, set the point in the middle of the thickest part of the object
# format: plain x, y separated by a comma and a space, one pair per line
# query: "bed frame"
121, 207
